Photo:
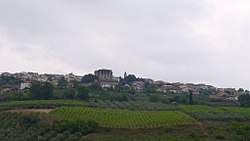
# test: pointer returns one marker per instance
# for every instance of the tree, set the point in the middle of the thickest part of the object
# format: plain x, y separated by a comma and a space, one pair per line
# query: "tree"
62, 83
9, 81
28, 120
35, 89
89, 78
190, 97
244, 100
78, 126
75, 83
95, 87
129, 79
240, 90
18, 95
41, 90
154, 98
179, 99
69, 93
47, 90
83, 93
150, 88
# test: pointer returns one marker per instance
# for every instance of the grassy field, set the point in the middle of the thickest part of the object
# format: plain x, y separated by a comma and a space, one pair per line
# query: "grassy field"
207, 131
199, 108
237, 110
202, 112
183, 122
132, 105
123, 118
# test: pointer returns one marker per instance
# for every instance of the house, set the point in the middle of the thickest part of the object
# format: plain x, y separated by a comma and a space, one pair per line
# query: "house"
159, 82
7, 74
138, 86
5, 90
148, 80
232, 98
230, 91
169, 89
25, 86
195, 92
219, 95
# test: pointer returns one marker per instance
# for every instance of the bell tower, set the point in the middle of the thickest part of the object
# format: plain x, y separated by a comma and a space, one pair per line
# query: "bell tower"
125, 74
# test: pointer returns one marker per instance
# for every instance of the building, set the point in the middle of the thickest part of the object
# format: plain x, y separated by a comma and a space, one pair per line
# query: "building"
106, 78
138, 86
25, 86
104, 74
169, 89
125, 74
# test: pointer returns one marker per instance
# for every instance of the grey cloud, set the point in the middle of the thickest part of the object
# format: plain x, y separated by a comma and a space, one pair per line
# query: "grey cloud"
188, 41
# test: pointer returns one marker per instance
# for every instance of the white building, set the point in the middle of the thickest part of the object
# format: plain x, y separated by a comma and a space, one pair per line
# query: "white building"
25, 86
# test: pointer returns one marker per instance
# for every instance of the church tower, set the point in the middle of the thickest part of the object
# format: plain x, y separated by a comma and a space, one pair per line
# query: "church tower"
125, 74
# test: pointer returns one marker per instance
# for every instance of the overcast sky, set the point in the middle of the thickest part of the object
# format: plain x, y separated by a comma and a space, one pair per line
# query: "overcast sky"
200, 41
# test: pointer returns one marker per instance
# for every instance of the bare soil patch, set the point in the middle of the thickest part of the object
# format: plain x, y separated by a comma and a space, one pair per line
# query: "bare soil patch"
32, 110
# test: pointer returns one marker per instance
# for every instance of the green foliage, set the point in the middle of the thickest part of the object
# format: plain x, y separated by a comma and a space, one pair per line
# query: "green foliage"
154, 98
62, 83
190, 97
219, 116
83, 93
148, 137
95, 87
42, 103
78, 126
35, 126
244, 100
114, 97
238, 110
238, 128
129, 79
168, 128
122, 89
76, 83
17, 95
220, 137
69, 93
9, 81
149, 87
89, 78
132, 105
28, 120
199, 108
179, 99
41, 90
203, 112
240, 90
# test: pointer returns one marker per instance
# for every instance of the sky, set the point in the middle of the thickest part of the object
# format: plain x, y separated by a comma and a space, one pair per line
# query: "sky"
198, 41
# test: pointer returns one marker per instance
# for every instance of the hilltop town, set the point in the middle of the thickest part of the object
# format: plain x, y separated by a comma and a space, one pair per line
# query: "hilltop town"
99, 104
22, 81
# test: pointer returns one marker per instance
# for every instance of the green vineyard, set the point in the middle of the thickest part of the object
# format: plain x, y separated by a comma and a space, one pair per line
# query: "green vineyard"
123, 118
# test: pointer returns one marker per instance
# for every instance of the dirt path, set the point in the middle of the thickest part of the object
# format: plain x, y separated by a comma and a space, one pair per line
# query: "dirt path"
32, 110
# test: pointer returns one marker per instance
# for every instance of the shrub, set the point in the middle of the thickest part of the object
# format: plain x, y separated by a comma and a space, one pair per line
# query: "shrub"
220, 137
79, 126
238, 127
28, 120
167, 129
